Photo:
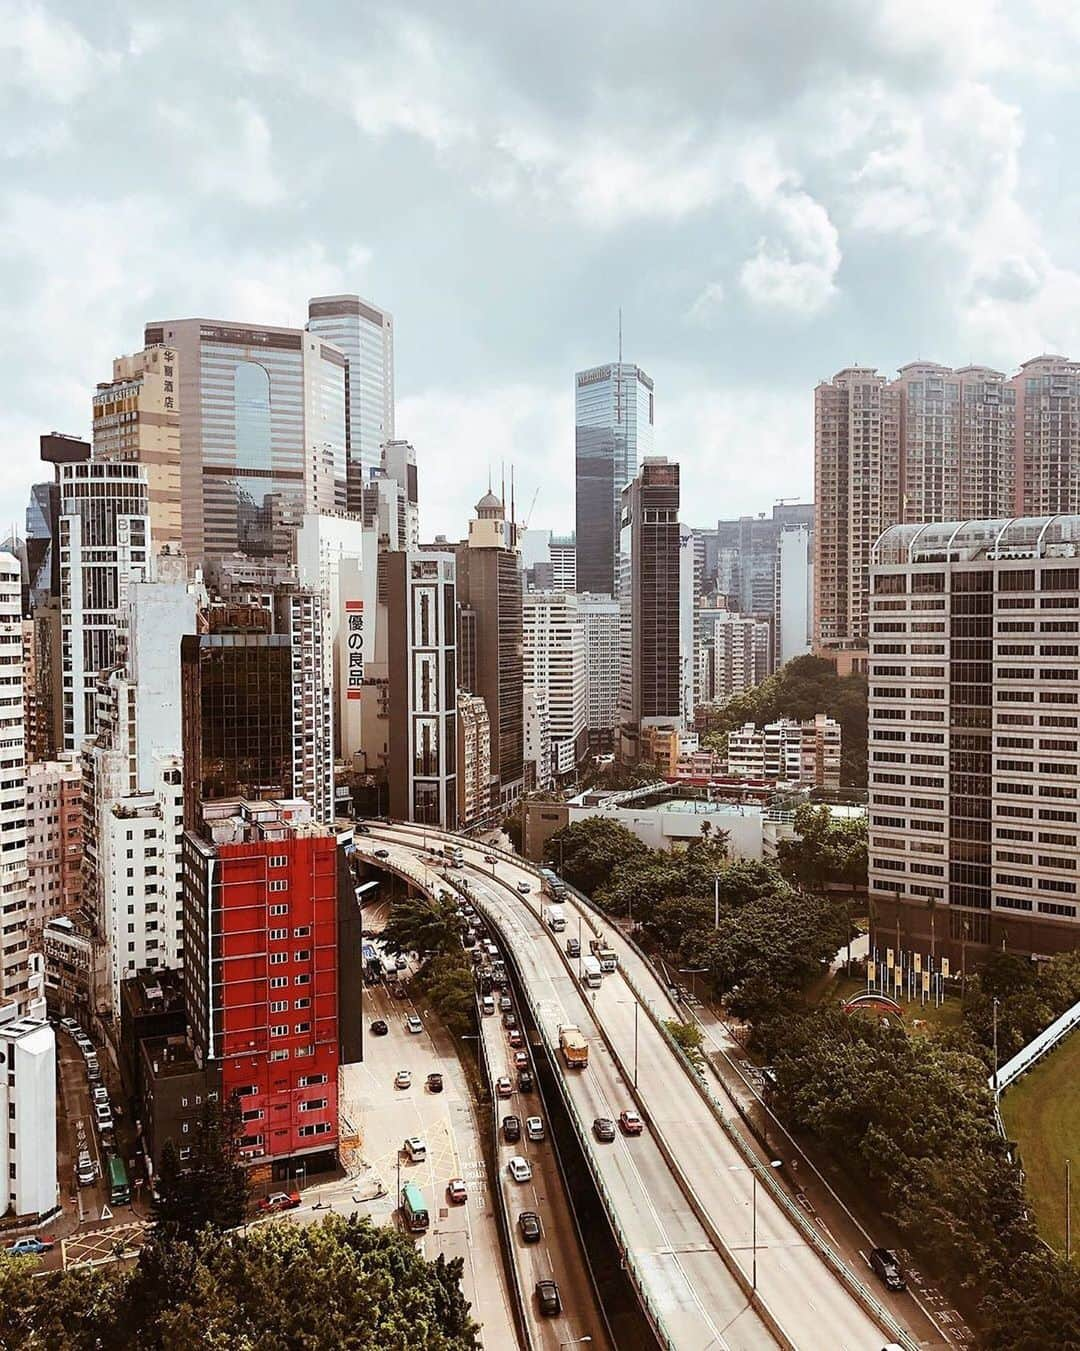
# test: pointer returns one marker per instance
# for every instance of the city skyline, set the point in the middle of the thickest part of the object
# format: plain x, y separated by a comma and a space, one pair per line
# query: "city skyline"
753, 248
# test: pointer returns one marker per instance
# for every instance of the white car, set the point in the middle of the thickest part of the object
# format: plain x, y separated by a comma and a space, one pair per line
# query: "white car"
85, 1170
520, 1169
416, 1148
523, 887
403, 1079
413, 1023
534, 1127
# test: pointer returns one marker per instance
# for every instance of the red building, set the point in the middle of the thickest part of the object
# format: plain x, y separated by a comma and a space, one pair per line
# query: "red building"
261, 973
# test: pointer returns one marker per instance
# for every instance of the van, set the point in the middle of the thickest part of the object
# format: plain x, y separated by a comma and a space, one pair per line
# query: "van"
416, 1148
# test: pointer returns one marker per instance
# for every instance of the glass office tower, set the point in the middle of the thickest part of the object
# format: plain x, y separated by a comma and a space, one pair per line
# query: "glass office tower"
613, 417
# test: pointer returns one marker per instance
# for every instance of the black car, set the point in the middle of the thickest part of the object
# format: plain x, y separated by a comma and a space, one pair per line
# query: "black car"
887, 1267
510, 1019
573, 947
382, 853
361, 829
511, 1129
525, 1081
547, 1292
604, 1129
434, 1082
379, 1028
529, 1224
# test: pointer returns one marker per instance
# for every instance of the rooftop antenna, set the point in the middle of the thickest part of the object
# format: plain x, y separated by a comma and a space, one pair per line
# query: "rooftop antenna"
511, 494
502, 466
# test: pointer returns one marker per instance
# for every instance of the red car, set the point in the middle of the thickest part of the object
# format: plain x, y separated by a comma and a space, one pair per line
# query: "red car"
630, 1123
503, 1086
514, 1037
276, 1201
456, 1191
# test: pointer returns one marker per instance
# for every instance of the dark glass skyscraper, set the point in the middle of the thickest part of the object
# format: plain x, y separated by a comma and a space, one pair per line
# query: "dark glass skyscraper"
613, 418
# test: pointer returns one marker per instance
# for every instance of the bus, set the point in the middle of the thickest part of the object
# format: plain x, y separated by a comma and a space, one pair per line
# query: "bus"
553, 884
453, 855
119, 1187
414, 1208
591, 974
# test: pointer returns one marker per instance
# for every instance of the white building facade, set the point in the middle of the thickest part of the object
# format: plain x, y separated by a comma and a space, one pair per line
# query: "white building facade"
20, 979
554, 662
28, 1111
793, 610
600, 621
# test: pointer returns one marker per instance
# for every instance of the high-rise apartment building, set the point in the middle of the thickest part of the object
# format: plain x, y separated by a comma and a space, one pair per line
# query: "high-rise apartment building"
28, 1109
18, 977
261, 974
364, 334
613, 433
262, 434
105, 546
136, 418
473, 761
554, 652
733, 654
537, 725
650, 615
422, 640
600, 621
389, 501
489, 588
1048, 437
793, 596
788, 751
54, 839
974, 736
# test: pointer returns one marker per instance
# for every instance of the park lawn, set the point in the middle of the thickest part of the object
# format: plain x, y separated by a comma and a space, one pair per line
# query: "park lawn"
1042, 1113
839, 988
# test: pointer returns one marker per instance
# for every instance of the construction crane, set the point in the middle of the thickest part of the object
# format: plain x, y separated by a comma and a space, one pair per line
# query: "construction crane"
528, 514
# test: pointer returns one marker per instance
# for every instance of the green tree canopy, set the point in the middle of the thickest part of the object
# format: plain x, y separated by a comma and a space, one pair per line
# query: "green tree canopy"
341, 1283
212, 1190
447, 981
417, 924
588, 852
825, 851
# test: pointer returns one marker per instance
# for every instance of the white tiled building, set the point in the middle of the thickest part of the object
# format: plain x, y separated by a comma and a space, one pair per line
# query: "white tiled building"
28, 1113
554, 664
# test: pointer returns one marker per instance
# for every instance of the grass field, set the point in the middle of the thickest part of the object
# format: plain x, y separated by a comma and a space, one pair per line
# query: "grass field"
1042, 1113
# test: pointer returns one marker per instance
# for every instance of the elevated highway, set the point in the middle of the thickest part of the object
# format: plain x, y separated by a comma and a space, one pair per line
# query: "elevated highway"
699, 1179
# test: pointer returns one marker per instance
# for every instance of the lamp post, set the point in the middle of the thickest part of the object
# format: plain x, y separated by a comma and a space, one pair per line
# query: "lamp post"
575, 1341
716, 901
740, 1168
996, 1002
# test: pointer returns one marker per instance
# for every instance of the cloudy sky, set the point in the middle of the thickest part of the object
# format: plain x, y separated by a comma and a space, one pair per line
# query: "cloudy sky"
771, 189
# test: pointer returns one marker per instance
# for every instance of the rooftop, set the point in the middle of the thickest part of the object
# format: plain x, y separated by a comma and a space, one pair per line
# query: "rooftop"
970, 541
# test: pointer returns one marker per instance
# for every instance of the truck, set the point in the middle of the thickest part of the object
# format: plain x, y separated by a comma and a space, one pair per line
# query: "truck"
574, 1047
603, 954
591, 974
553, 884
555, 918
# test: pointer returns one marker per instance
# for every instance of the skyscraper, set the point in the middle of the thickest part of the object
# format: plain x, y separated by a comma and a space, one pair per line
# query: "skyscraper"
365, 335
650, 601
262, 433
600, 620
554, 651
489, 584
16, 964
1048, 435
613, 419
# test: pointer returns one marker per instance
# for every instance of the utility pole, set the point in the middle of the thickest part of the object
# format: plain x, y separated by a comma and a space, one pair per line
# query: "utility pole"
635, 1041
716, 901
1068, 1211
996, 1002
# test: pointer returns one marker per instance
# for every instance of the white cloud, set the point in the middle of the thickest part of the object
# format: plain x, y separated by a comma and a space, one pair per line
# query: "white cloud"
708, 302
227, 150
46, 55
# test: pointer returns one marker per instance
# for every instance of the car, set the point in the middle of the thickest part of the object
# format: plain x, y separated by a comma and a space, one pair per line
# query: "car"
487, 1004
529, 1224
630, 1123
83, 1042
490, 858
520, 1169
399, 990
71, 1025
604, 1129
886, 1266
525, 1081
509, 1016
100, 1094
506, 1005
108, 1140
31, 1247
523, 887
278, 1201
361, 829
573, 947
511, 1127
85, 1172
413, 1024
468, 939
503, 1086
547, 1294
382, 853
416, 1148
521, 1060
403, 1079
456, 1191
379, 1027
534, 1127
401, 962
515, 1038
434, 1082
104, 1117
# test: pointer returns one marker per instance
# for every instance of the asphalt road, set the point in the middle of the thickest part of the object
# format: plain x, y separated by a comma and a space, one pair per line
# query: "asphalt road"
812, 1305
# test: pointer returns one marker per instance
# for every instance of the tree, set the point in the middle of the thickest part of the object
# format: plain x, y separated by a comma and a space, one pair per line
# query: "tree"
825, 852
588, 852
213, 1190
447, 981
417, 924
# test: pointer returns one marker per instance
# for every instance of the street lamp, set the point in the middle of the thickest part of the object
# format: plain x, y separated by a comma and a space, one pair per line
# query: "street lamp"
741, 1168
716, 901
996, 1002
575, 1341
693, 971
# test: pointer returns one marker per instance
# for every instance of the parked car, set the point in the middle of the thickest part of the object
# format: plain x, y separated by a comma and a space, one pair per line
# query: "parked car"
523, 887
886, 1266
403, 1079
379, 1027
525, 1081
71, 1025
413, 1024
416, 1148
278, 1201
100, 1094
456, 1191
630, 1123
604, 1129
506, 1004
103, 1113
503, 1086
534, 1127
511, 1126
529, 1224
434, 1082
382, 853
490, 858
547, 1294
519, 1168
31, 1247
85, 1172
573, 947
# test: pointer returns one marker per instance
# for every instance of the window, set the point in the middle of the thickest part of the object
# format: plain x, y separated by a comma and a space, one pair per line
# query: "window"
277, 884
278, 982
302, 1004
278, 1055
279, 1006
302, 980
279, 1030
313, 1105
303, 932
303, 955
279, 861
317, 1128
301, 1028
277, 958
310, 1080
276, 935
279, 909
